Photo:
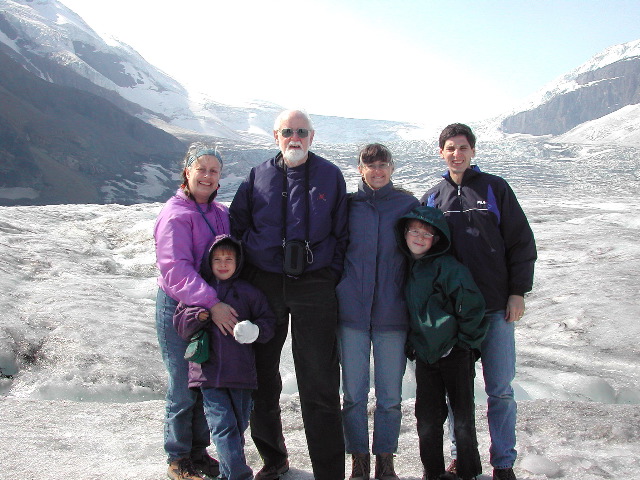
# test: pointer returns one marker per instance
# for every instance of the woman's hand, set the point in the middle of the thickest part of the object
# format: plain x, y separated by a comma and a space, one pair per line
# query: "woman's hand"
225, 317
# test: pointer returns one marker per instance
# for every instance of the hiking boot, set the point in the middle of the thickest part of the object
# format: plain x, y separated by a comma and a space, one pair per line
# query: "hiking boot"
453, 467
183, 469
360, 466
384, 467
272, 472
503, 474
206, 465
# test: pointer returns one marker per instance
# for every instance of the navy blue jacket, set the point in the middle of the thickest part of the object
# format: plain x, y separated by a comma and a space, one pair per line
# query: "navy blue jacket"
490, 233
257, 219
231, 364
370, 294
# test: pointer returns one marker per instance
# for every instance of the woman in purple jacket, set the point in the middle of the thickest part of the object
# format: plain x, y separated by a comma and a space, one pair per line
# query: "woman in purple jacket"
185, 228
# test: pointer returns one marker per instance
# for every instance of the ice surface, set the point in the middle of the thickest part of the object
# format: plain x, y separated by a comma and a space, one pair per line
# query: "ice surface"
77, 336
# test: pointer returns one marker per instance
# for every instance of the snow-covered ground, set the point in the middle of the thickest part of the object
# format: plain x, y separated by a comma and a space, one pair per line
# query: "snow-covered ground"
77, 293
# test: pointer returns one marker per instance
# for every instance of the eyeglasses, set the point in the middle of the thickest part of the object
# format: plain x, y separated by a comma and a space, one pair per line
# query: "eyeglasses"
376, 166
288, 132
420, 233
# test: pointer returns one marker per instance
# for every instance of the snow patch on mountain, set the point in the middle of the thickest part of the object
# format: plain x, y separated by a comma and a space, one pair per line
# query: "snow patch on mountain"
621, 126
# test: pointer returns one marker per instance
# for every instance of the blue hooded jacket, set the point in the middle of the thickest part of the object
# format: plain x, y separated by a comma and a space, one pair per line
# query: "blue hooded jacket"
370, 294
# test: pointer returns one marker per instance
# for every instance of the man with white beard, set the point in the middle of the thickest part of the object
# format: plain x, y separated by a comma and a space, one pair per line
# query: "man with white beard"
291, 215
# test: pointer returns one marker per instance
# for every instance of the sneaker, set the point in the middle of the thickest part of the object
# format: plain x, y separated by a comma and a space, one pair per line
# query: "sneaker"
503, 474
183, 469
206, 465
384, 467
453, 467
360, 466
272, 472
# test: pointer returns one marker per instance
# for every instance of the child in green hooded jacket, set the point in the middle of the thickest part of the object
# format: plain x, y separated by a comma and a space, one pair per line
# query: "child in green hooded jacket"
447, 326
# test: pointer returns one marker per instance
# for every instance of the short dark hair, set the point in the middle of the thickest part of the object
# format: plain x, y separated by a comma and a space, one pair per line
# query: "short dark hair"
225, 246
375, 152
454, 130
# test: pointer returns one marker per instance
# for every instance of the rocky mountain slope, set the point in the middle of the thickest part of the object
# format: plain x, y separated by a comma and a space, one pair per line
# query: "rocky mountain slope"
605, 84
95, 122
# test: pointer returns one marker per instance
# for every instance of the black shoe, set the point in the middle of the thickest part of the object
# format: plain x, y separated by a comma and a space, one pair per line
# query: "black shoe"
206, 465
448, 476
272, 472
503, 474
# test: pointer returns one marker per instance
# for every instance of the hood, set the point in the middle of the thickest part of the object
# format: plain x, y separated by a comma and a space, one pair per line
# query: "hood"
433, 217
205, 265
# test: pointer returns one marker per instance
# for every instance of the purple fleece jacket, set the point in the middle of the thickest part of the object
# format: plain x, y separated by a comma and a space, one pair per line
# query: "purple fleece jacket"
182, 237
231, 364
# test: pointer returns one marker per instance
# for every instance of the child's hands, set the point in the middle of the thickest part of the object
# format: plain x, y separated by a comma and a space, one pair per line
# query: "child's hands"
203, 316
246, 332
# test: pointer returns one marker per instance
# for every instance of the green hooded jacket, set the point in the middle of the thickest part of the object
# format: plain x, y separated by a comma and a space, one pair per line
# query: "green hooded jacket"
445, 305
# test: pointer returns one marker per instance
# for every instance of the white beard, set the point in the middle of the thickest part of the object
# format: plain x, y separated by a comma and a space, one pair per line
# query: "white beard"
294, 156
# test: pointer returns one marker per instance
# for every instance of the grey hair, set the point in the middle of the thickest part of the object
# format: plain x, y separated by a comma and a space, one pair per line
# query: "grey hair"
286, 113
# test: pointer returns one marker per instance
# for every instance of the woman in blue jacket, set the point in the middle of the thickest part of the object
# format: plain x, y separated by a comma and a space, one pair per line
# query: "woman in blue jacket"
372, 312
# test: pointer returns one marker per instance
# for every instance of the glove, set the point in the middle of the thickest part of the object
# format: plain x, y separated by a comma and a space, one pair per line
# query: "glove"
246, 332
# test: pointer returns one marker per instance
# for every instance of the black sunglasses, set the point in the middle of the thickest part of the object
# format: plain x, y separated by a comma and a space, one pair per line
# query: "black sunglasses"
288, 132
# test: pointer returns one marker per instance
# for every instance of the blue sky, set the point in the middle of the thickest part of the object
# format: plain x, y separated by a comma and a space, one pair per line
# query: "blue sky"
429, 61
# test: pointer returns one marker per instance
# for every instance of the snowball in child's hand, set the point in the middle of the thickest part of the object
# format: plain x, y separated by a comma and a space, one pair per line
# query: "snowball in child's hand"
246, 332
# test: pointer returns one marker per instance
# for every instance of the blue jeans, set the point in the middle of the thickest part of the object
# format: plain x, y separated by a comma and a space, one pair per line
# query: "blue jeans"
227, 411
389, 365
185, 428
498, 369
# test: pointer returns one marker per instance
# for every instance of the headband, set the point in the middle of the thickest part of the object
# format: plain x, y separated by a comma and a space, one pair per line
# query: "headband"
201, 152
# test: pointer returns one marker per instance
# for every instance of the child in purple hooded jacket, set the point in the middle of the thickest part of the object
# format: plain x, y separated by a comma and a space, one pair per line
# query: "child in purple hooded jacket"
228, 378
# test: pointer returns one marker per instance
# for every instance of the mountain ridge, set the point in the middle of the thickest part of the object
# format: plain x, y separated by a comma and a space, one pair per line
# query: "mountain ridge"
47, 42
607, 82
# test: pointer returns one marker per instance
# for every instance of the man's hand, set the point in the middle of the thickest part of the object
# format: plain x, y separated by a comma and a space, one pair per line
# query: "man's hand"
225, 317
515, 308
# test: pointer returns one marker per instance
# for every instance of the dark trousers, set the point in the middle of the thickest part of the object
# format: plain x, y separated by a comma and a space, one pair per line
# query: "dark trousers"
311, 302
453, 376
